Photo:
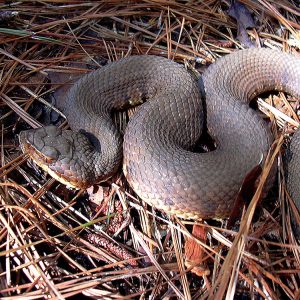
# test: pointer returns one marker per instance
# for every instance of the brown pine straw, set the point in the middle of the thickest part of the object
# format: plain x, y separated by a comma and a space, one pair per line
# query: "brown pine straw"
44, 252
227, 278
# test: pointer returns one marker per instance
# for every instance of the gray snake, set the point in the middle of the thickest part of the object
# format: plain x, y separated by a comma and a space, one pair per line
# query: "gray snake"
158, 158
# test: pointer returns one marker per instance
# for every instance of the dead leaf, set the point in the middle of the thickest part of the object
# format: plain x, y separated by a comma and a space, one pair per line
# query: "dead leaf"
194, 252
244, 20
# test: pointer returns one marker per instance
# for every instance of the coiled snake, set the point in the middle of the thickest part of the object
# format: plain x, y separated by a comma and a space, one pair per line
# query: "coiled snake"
158, 158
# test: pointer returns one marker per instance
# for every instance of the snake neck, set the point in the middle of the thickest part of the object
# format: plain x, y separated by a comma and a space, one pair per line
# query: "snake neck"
107, 151
102, 154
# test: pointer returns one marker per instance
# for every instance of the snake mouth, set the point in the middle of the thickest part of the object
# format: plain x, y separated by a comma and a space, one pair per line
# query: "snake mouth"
47, 163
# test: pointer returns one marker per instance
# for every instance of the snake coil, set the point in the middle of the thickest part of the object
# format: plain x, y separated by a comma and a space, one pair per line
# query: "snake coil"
159, 162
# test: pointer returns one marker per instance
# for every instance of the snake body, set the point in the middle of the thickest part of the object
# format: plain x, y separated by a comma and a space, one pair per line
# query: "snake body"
158, 158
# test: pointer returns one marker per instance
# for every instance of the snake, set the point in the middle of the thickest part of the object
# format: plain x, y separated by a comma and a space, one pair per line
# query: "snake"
157, 150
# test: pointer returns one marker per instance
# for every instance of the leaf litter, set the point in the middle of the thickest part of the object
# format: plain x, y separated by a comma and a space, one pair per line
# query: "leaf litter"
52, 238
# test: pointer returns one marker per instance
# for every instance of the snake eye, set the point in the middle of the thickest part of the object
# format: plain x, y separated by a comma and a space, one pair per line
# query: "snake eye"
50, 154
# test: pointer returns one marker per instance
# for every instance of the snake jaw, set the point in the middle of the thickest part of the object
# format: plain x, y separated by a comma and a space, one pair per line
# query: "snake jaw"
52, 149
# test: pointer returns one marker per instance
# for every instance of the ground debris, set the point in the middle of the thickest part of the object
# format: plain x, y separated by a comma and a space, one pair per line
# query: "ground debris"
45, 227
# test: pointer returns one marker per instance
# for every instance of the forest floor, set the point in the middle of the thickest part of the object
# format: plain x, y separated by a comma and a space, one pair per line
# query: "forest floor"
105, 243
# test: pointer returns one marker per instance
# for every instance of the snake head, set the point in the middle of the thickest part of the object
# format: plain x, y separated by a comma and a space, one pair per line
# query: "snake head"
56, 152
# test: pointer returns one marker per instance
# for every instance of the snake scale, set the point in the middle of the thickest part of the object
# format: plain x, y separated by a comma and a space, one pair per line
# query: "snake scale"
157, 150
